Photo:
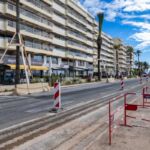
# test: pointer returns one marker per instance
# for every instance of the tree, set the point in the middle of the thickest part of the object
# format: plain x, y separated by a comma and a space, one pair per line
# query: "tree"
138, 53
117, 48
145, 66
130, 52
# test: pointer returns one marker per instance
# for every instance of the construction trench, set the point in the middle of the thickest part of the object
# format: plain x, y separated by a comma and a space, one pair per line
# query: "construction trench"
87, 128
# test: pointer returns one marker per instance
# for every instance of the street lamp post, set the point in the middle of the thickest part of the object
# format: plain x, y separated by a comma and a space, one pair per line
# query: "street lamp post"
99, 44
17, 78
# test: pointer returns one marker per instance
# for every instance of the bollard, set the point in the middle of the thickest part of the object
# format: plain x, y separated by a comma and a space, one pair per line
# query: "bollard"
57, 97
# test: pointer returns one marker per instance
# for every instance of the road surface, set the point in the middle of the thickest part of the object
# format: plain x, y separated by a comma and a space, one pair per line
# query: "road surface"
17, 109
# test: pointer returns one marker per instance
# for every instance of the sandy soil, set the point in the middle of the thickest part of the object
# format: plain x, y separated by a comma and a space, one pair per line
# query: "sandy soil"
90, 132
136, 137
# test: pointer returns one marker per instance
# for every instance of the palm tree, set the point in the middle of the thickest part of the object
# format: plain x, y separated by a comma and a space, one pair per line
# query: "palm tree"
117, 47
145, 66
138, 53
130, 52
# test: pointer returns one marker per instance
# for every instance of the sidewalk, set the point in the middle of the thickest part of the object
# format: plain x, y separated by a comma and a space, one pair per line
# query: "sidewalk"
90, 132
136, 137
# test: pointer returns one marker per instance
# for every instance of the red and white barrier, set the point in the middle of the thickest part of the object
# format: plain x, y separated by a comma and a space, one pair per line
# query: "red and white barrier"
57, 96
122, 84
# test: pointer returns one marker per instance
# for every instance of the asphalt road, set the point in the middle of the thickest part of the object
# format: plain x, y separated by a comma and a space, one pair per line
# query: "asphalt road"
17, 109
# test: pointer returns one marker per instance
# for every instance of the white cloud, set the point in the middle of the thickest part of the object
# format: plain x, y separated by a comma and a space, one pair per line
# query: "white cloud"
143, 38
141, 25
125, 9
112, 9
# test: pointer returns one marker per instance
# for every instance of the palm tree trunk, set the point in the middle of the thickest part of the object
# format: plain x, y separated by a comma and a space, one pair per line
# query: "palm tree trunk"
117, 65
139, 65
130, 63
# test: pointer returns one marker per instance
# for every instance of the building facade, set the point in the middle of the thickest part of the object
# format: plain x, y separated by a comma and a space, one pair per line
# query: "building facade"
59, 36
107, 56
130, 62
120, 57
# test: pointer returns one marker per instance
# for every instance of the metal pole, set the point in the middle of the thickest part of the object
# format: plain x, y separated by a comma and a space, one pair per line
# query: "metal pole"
143, 93
17, 78
50, 70
125, 113
109, 123
99, 44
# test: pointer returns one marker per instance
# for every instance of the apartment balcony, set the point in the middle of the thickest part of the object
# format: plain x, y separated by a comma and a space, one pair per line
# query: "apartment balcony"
90, 27
90, 50
105, 43
59, 8
89, 42
122, 57
107, 54
76, 38
90, 19
88, 34
58, 30
38, 51
95, 45
2, 7
76, 28
50, 2
111, 65
77, 48
76, 7
63, 1
34, 7
91, 67
95, 52
95, 37
2, 25
74, 57
30, 34
76, 18
59, 42
59, 19
59, 53
3, 43
30, 20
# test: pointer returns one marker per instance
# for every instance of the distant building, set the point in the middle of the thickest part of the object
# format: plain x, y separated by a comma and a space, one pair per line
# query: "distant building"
122, 56
130, 66
107, 56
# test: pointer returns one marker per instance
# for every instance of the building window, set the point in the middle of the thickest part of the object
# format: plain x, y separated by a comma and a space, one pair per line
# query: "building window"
54, 60
80, 63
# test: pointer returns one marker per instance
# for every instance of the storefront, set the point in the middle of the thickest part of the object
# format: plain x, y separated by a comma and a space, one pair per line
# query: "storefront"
5, 75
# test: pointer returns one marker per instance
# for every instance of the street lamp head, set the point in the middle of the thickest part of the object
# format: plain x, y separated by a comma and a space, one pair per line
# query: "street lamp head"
99, 14
100, 18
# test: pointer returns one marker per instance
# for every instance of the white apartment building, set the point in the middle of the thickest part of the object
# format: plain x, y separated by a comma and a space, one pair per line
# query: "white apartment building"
107, 56
130, 66
59, 36
122, 57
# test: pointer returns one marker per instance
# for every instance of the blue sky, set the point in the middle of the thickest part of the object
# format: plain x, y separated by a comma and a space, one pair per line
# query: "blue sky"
126, 19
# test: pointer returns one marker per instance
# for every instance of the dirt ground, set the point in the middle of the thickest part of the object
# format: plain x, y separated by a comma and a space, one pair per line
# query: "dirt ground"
90, 132
136, 137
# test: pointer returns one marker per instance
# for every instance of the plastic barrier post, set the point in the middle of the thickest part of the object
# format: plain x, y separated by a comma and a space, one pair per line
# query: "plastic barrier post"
122, 84
57, 96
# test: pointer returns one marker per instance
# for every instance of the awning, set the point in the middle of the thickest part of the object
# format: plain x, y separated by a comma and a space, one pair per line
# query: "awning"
12, 66
4, 67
